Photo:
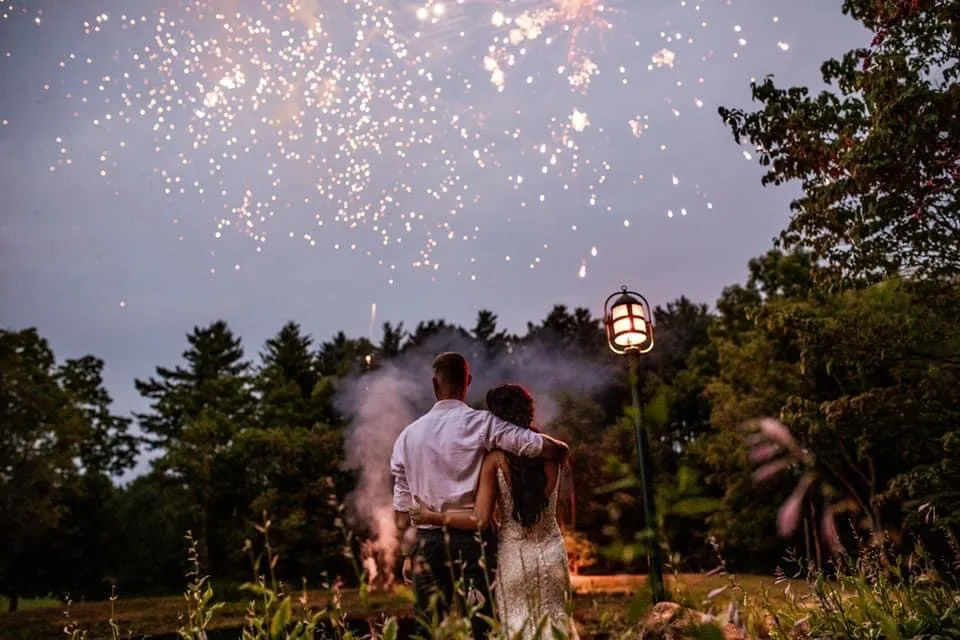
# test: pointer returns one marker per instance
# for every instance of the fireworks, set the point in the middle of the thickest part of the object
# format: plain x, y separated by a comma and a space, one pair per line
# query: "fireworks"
391, 127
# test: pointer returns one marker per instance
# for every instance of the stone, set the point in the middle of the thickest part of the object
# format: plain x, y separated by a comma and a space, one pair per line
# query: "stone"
672, 621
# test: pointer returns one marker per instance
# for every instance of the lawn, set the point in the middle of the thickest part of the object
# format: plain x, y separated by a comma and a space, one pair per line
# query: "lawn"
602, 604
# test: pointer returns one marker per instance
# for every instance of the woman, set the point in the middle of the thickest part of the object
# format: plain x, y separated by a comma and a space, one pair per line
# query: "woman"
533, 581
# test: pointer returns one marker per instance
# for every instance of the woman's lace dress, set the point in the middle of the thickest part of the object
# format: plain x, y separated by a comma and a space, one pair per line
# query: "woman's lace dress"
533, 579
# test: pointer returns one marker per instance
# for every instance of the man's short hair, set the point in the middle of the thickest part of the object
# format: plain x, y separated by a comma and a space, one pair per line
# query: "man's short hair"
451, 369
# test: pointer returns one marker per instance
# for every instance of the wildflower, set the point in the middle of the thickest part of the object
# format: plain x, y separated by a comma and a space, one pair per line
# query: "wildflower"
776, 432
828, 527
789, 515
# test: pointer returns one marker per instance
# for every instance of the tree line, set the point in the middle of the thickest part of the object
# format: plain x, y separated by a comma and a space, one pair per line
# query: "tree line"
866, 379
846, 332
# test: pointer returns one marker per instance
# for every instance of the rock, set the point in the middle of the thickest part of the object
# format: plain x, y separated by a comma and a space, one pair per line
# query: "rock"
731, 631
671, 621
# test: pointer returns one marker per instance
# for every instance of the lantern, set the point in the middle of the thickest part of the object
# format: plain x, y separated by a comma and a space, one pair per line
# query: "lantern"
627, 317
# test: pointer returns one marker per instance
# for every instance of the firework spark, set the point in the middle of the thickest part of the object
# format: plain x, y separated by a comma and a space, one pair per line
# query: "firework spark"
363, 124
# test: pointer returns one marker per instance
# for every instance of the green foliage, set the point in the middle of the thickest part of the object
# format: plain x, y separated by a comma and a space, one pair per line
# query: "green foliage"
213, 387
843, 371
293, 393
932, 490
874, 595
57, 437
877, 154
152, 512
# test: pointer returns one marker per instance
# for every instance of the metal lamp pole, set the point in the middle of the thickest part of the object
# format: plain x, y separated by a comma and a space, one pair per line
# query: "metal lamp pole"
630, 333
657, 589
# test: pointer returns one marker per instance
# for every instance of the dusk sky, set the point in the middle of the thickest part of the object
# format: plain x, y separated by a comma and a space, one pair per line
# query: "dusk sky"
440, 145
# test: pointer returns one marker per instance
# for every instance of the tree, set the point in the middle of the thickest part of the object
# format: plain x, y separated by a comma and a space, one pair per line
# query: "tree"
863, 378
580, 421
57, 440
296, 479
342, 357
878, 157
39, 430
216, 376
489, 340
197, 410
435, 332
79, 557
292, 392
579, 331
747, 372
393, 337
153, 513
486, 330
109, 448
883, 364
682, 328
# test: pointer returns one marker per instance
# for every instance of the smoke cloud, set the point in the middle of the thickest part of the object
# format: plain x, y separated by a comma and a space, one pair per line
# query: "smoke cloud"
382, 402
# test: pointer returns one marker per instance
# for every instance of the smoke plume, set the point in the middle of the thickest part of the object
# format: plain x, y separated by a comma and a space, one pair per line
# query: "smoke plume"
382, 402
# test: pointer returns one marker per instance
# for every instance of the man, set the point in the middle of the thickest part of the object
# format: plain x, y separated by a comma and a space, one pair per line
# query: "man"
438, 458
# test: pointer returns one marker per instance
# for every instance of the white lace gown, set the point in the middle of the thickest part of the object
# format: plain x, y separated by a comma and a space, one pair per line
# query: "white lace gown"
533, 580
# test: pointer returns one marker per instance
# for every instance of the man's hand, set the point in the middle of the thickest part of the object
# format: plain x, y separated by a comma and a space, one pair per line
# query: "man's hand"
419, 513
407, 571
554, 449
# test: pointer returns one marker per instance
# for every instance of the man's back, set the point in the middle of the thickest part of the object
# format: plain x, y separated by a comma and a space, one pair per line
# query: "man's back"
438, 457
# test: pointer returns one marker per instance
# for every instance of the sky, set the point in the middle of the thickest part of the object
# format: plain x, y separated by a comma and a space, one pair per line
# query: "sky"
209, 159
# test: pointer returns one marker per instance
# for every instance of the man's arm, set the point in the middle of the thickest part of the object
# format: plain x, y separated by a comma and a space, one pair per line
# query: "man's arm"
402, 498
522, 442
554, 449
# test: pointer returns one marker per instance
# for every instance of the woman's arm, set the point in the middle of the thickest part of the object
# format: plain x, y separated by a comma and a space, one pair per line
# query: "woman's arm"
482, 512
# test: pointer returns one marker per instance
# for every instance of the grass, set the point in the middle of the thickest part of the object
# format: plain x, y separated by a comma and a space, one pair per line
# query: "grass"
602, 605
31, 603
690, 588
161, 616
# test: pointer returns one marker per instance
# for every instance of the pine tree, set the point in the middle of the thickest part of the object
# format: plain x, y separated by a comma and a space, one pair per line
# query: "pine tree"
197, 411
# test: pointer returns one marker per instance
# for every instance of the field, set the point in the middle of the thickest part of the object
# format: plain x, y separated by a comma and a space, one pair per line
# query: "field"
603, 604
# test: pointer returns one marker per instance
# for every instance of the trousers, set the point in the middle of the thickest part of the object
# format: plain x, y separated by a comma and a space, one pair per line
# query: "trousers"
454, 570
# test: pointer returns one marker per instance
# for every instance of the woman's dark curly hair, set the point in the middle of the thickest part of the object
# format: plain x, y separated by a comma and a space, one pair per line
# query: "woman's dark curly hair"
528, 476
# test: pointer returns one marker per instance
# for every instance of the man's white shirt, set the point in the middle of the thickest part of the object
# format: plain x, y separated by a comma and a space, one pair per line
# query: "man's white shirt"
438, 457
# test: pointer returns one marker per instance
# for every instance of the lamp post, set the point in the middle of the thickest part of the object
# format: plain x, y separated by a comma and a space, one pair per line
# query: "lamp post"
627, 318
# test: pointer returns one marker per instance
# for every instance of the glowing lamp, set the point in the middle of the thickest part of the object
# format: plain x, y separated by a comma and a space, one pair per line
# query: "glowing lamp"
626, 315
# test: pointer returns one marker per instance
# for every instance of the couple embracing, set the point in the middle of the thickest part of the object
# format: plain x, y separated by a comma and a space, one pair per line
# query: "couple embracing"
475, 495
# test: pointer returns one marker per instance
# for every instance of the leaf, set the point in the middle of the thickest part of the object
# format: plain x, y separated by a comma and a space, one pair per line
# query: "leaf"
558, 633
696, 506
391, 630
890, 629
713, 593
618, 485
657, 411
688, 480
707, 631
280, 619
639, 607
